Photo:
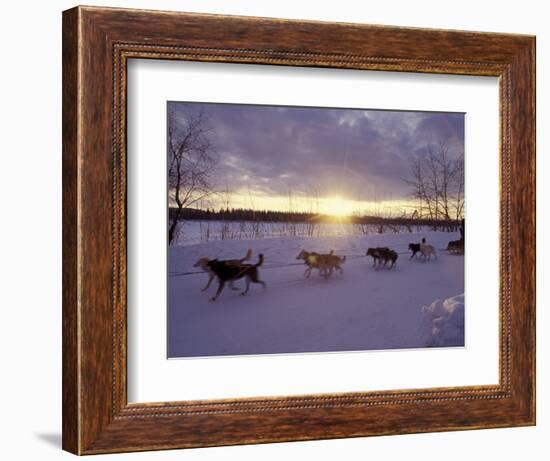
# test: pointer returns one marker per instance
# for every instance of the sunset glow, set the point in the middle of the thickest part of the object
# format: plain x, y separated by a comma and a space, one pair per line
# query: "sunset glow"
336, 206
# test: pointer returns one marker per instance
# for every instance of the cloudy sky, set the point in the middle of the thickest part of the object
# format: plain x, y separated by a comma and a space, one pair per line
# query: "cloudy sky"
275, 157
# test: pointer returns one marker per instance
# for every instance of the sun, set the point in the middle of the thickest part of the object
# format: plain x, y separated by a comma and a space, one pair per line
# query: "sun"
337, 206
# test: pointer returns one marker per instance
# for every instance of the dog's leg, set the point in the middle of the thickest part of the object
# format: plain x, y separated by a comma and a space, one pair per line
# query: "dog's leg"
307, 272
210, 278
247, 280
220, 288
254, 278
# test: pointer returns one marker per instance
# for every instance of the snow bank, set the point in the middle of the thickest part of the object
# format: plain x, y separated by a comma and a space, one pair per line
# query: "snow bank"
444, 321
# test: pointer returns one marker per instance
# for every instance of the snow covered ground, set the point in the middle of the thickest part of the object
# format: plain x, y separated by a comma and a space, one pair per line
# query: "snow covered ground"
363, 309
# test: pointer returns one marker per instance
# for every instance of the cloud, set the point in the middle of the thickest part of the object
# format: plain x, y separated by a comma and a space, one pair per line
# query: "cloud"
350, 152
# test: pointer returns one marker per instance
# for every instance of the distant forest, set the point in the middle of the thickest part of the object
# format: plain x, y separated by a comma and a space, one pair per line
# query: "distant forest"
240, 214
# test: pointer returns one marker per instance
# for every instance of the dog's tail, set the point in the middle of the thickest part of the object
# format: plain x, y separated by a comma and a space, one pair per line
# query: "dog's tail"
260, 260
343, 259
247, 256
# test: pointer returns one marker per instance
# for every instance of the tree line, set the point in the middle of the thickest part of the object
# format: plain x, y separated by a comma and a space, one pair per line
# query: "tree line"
244, 214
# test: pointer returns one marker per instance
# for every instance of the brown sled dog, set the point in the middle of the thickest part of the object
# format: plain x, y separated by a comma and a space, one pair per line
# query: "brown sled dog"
325, 263
381, 256
203, 264
228, 273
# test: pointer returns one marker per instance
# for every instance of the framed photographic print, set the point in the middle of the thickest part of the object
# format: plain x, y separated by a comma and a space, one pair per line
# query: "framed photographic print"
284, 230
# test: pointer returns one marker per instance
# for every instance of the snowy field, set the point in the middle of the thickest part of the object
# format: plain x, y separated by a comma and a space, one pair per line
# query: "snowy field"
415, 305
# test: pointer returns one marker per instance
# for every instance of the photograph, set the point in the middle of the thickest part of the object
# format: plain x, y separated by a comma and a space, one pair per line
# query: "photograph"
310, 229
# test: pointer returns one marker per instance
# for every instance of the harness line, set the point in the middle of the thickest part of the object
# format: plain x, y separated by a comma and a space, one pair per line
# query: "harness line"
278, 266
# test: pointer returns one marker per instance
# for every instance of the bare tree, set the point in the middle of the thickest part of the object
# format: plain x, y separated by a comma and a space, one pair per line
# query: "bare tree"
312, 203
437, 180
225, 196
190, 163
458, 202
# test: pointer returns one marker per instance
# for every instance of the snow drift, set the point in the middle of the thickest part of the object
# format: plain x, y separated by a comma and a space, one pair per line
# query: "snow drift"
445, 322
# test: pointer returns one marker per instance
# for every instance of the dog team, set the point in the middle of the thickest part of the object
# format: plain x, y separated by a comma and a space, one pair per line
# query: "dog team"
229, 270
